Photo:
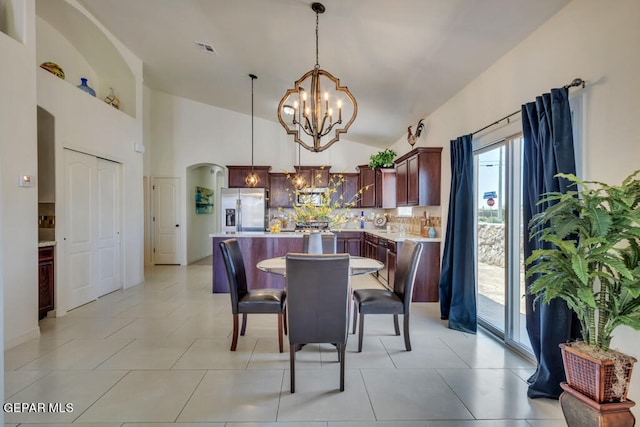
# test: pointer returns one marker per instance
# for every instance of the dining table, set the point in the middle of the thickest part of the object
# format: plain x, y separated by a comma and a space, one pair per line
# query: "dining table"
357, 265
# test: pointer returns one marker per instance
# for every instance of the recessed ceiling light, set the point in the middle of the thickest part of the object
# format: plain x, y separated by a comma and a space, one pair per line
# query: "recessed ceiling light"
207, 48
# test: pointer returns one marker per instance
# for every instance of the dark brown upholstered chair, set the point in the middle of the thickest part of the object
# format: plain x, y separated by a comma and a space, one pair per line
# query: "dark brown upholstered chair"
317, 304
329, 243
383, 301
248, 301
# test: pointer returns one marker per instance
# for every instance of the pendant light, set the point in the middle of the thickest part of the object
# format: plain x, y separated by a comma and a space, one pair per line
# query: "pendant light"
312, 111
252, 180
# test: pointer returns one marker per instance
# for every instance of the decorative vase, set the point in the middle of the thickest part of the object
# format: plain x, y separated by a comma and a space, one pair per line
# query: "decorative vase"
432, 232
315, 242
83, 86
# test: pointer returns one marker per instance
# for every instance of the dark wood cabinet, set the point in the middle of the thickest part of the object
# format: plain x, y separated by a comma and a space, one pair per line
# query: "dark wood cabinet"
418, 177
347, 190
378, 187
370, 246
368, 185
425, 288
237, 174
314, 176
281, 191
46, 277
350, 242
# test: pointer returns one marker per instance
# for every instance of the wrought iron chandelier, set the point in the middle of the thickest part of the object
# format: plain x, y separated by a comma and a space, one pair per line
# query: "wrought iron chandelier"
252, 180
305, 112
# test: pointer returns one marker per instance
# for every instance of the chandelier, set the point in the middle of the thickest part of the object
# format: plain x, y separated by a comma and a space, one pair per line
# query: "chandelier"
305, 111
252, 179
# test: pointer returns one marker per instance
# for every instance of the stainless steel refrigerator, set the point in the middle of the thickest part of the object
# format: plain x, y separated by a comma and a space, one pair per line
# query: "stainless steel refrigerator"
244, 209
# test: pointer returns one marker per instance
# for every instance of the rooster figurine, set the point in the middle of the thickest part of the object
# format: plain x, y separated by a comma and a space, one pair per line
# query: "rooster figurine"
411, 138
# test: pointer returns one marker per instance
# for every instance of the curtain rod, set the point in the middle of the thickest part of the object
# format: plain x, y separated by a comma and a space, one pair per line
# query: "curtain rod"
574, 83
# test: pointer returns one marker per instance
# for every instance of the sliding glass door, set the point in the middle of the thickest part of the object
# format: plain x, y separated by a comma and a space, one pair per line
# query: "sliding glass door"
499, 253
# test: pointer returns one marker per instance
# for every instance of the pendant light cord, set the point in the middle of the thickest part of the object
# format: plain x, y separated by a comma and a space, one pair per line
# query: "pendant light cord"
253, 77
317, 32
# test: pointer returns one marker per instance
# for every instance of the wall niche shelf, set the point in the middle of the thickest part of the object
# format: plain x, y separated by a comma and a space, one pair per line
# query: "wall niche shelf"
67, 36
12, 13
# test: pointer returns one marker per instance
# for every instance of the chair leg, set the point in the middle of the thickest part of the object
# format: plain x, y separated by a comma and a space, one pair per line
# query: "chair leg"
341, 348
280, 332
395, 324
284, 313
361, 332
292, 366
244, 323
407, 342
355, 315
234, 339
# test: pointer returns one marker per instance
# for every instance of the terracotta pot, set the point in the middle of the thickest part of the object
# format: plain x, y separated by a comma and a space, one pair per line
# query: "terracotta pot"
594, 377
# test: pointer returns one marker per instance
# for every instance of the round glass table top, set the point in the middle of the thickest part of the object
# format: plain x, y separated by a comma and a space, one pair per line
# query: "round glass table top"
357, 265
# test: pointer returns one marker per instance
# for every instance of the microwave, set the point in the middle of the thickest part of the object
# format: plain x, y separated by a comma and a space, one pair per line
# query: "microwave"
312, 196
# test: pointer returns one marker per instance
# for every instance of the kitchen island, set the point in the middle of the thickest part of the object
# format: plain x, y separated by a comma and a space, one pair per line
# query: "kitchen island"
257, 246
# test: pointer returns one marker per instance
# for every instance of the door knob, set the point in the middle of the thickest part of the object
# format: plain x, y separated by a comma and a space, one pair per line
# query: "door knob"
177, 225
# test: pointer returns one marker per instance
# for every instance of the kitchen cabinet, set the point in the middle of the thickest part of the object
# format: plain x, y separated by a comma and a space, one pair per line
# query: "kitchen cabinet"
46, 278
349, 242
237, 174
314, 176
382, 187
418, 177
280, 191
348, 189
425, 288
370, 246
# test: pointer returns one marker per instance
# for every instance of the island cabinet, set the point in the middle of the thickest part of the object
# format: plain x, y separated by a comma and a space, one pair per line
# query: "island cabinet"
418, 177
45, 281
350, 242
254, 249
347, 190
378, 187
237, 174
281, 191
425, 288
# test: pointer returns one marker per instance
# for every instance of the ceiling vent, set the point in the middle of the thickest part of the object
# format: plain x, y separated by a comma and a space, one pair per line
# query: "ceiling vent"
206, 48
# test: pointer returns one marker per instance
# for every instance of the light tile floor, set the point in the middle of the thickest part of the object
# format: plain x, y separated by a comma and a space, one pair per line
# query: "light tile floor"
158, 354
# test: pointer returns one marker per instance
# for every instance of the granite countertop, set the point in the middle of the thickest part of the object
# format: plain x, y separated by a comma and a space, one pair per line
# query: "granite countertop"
45, 243
394, 236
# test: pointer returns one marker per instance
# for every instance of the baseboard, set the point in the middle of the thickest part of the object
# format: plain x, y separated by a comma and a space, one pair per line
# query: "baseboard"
21, 339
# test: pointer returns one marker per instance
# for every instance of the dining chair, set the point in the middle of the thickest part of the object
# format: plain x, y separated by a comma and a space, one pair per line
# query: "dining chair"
249, 301
317, 304
329, 243
384, 301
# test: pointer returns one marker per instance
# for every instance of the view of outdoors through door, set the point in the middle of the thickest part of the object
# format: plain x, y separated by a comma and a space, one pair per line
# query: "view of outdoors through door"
499, 253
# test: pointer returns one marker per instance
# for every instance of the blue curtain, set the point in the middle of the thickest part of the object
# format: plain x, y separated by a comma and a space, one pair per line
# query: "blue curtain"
548, 150
457, 285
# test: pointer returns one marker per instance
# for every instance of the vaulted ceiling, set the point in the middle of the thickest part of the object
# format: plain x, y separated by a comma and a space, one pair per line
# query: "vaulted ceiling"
401, 59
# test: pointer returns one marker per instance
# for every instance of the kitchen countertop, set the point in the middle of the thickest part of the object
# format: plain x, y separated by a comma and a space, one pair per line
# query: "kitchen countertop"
44, 244
394, 236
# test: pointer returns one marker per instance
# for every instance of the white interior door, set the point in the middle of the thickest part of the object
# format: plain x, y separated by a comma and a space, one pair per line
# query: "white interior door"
108, 227
166, 218
80, 183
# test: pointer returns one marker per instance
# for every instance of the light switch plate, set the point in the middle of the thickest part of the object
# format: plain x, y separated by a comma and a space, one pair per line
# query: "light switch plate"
25, 181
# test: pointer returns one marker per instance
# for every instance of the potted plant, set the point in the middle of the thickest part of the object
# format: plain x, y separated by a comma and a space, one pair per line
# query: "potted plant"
382, 159
594, 265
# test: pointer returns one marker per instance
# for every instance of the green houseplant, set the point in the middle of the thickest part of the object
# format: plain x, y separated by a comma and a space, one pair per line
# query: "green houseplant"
594, 265
382, 159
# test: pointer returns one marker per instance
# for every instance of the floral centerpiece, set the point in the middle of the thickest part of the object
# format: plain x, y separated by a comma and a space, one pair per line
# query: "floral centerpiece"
330, 210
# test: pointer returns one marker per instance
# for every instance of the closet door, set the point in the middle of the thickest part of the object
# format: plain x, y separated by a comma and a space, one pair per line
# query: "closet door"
81, 209
108, 227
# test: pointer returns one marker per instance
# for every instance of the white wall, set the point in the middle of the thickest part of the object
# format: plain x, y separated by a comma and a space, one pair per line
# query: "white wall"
19, 206
592, 39
86, 124
186, 133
